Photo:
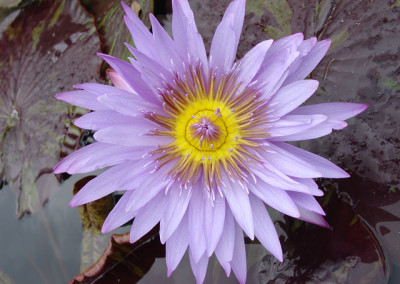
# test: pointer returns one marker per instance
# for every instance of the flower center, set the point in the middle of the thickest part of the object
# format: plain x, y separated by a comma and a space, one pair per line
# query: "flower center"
216, 128
206, 131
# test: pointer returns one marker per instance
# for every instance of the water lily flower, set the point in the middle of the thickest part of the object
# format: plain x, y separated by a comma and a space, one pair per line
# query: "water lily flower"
197, 141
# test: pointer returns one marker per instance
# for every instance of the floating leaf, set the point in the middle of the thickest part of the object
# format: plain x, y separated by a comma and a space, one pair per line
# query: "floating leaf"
47, 47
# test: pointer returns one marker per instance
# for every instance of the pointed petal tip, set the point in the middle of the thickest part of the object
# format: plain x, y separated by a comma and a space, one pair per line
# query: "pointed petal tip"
78, 86
325, 224
105, 228
73, 203
361, 107
299, 35
227, 268
104, 56
313, 83
326, 42
126, 8
251, 237
77, 200
341, 174
56, 169
169, 272
133, 238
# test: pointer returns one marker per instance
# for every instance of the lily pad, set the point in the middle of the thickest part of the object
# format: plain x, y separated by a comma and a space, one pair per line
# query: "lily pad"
43, 51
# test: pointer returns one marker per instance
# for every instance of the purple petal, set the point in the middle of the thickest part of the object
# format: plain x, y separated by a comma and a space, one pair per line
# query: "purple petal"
236, 8
272, 176
82, 99
273, 72
340, 111
319, 130
102, 119
239, 204
251, 62
127, 104
214, 218
312, 217
149, 188
291, 96
100, 89
118, 216
148, 216
114, 98
311, 186
223, 49
176, 246
309, 62
275, 66
226, 37
165, 46
224, 249
132, 77
182, 19
149, 65
292, 124
264, 228
118, 81
276, 198
196, 222
306, 201
289, 164
186, 36
290, 42
238, 263
132, 135
325, 167
178, 202
141, 35
109, 181
96, 156
200, 268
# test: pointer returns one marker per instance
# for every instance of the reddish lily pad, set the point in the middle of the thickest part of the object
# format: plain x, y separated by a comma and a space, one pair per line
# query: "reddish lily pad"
43, 51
